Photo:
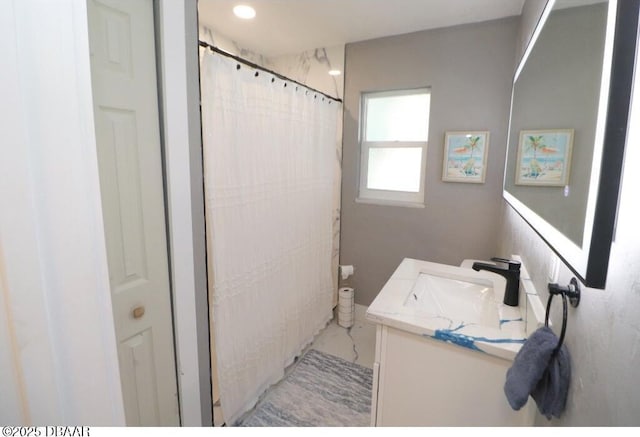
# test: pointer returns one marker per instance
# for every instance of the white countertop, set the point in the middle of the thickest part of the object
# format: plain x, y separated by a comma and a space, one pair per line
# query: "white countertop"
389, 309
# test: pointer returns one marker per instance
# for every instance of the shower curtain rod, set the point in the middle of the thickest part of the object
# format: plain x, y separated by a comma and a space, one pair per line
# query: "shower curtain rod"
258, 67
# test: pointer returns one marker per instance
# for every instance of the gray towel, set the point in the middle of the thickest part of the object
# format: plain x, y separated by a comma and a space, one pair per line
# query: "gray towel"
536, 372
551, 391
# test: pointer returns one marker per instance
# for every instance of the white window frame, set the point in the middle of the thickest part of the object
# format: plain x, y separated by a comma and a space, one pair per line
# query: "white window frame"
389, 197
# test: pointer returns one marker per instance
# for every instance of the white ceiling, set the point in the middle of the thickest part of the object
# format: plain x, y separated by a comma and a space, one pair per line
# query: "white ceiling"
293, 26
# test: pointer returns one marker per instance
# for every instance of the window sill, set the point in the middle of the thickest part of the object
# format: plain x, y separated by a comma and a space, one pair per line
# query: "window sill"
384, 202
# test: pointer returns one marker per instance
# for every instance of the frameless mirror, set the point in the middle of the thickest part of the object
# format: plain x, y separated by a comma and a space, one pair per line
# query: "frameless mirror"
567, 129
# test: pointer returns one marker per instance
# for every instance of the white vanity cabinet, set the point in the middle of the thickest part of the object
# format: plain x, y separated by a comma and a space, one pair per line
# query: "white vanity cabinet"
444, 343
419, 381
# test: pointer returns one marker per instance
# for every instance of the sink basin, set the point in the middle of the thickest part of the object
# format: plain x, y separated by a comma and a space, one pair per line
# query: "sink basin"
452, 304
469, 298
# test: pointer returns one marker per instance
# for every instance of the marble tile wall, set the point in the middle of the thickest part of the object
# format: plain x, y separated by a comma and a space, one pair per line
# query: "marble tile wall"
310, 68
212, 37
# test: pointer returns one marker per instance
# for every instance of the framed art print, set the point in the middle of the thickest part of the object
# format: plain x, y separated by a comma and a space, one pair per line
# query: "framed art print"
465, 156
544, 157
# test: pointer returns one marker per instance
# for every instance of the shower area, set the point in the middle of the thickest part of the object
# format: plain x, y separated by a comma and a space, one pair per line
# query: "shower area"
271, 153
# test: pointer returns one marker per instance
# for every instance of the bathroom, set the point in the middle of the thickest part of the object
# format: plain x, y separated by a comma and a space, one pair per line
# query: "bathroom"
469, 68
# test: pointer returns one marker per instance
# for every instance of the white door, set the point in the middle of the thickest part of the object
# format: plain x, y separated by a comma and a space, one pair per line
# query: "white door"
127, 129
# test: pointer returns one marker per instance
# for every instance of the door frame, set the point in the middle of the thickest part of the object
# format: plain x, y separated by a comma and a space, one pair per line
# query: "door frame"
179, 97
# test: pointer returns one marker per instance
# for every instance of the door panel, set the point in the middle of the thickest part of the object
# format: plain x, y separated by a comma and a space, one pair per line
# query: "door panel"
139, 381
130, 165
119, 161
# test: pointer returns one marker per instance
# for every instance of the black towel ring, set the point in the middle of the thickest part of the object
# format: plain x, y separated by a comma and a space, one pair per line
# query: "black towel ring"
573, 292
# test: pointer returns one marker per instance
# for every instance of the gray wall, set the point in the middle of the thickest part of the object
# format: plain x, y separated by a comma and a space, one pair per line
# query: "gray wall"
469, 69
531, 12
603, 333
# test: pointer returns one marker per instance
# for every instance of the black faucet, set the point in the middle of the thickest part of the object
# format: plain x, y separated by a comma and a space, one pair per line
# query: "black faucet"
512, 275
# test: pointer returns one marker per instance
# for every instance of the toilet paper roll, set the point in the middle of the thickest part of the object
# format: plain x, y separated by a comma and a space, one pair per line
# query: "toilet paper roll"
346, 292
345, 297
346, 271
345, 324
345, 310
345, 320
346, 307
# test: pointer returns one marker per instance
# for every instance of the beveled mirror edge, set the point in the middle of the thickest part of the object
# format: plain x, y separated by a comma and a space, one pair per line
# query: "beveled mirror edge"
590, 264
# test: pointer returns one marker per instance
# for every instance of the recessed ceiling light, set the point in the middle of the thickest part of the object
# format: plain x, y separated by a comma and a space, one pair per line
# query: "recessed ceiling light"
335, 72
245, 12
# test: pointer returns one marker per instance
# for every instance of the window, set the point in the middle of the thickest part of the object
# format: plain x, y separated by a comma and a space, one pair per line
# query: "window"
393, 148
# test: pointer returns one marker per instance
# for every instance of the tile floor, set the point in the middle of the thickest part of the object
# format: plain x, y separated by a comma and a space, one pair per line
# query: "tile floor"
356, 344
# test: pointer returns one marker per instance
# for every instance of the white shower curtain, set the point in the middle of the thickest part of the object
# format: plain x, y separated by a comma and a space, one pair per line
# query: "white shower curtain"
269, 150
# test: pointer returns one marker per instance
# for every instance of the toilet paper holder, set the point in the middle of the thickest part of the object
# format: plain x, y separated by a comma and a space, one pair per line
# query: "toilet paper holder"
346, 271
